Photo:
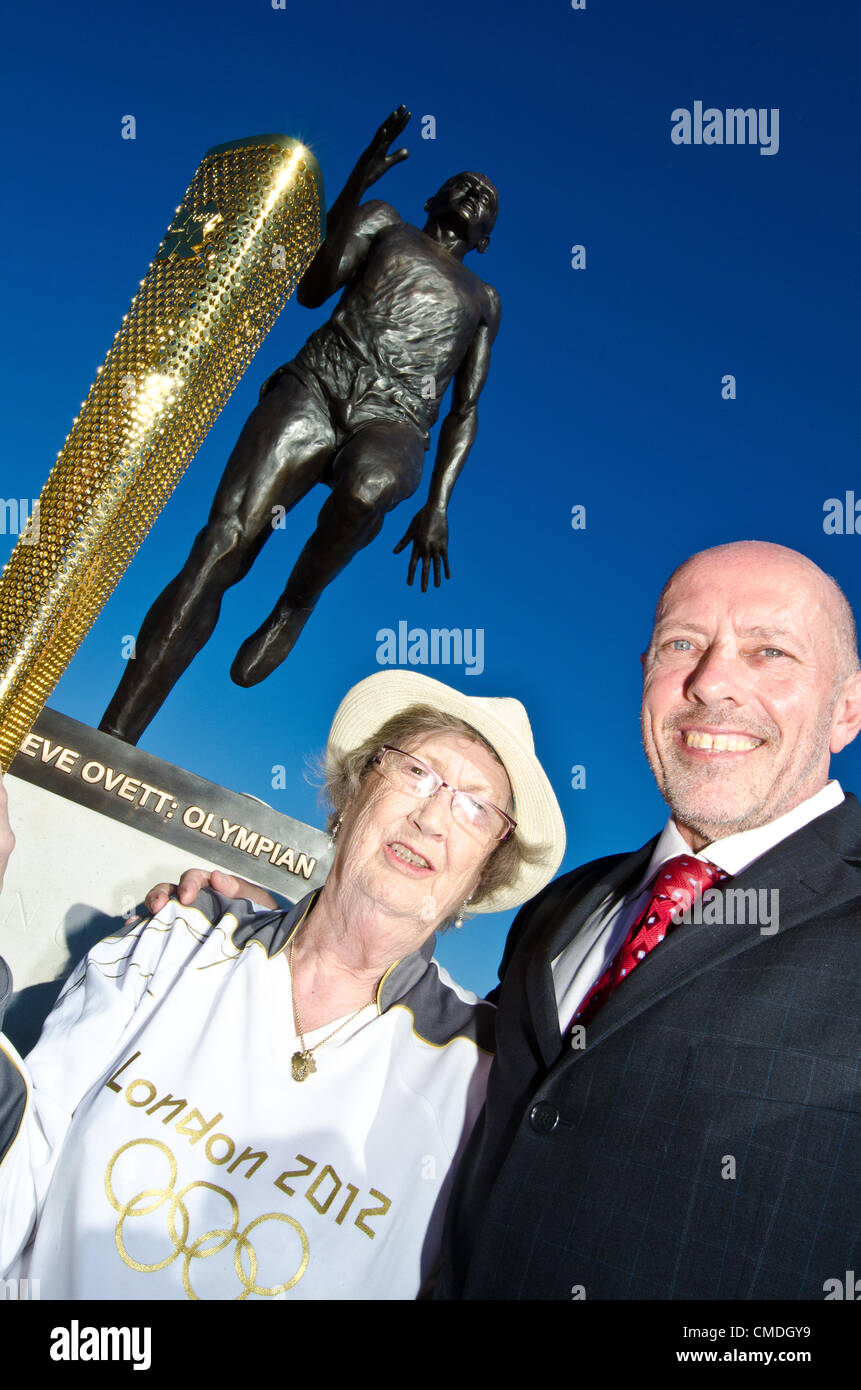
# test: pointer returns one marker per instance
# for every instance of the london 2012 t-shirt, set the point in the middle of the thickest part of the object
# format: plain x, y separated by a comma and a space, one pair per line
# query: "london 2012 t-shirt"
156, 1146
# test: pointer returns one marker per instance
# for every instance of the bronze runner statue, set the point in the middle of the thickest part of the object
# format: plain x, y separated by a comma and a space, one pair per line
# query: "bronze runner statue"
352, 410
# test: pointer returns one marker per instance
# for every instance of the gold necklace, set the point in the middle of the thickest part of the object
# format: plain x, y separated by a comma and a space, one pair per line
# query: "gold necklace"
302, 1063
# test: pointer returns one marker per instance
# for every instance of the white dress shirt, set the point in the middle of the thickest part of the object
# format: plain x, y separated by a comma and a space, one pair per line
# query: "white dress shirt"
585, 959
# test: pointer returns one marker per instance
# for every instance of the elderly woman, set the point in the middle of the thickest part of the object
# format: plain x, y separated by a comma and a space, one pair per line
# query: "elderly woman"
201, 1119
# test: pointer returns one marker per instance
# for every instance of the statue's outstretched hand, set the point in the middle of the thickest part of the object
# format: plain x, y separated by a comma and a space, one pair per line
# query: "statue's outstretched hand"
428, 532
376, 159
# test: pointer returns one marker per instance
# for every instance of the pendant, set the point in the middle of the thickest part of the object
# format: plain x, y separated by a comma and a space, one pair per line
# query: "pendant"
302, 1064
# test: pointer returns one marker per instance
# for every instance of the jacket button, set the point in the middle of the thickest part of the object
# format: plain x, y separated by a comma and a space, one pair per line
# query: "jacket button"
543, 1117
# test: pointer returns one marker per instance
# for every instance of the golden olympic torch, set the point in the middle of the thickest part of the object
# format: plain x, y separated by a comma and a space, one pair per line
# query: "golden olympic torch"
244, 234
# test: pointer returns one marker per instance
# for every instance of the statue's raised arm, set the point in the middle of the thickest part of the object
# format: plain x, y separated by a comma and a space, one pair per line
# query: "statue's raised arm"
346, 240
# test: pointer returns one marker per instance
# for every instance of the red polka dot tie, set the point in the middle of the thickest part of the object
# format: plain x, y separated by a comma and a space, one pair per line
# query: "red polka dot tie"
678, 884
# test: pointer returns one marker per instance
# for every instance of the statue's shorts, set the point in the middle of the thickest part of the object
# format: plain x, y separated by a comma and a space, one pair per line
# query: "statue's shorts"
350, 391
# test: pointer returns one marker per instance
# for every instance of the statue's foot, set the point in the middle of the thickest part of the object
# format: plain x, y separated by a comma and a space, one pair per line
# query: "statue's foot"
121, 727
266, 648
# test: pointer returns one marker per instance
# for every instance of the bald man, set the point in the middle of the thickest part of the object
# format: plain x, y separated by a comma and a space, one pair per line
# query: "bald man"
673, 1111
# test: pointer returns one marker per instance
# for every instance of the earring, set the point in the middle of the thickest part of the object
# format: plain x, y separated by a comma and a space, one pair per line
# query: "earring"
333, 833
458, 921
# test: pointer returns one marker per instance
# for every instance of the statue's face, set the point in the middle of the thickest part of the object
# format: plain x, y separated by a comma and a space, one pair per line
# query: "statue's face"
468, 204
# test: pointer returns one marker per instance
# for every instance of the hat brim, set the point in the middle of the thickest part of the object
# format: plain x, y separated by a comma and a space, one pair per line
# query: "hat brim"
540, 827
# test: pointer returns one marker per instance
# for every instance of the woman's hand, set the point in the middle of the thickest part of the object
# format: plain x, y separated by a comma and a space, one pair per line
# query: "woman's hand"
193, 880
7, 839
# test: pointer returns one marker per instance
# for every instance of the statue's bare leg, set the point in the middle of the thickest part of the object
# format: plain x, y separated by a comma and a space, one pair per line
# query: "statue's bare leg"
376, 469
284, 448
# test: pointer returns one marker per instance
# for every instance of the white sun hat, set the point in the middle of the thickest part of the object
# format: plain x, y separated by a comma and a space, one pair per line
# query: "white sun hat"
504, 724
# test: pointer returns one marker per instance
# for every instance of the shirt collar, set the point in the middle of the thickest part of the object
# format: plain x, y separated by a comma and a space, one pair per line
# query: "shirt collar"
274, 929
735, 852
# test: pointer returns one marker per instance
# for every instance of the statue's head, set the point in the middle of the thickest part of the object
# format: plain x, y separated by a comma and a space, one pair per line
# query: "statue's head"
467, 203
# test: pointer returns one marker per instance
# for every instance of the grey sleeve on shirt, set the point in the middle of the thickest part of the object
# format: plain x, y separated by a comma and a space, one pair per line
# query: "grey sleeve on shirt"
13, 1088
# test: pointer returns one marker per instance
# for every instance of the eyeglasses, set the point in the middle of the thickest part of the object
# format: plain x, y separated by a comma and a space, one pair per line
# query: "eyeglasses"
410, 775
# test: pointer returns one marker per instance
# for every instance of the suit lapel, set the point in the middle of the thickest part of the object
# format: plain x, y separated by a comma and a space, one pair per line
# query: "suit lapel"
612, 879
814, 870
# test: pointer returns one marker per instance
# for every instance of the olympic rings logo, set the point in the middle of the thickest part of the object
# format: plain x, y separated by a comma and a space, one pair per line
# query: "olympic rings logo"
210, 1243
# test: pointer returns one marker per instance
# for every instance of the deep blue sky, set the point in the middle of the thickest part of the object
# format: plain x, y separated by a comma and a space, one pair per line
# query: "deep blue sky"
605, 384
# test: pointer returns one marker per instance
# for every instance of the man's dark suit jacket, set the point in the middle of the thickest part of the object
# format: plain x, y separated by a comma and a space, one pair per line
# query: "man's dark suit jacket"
606, 1171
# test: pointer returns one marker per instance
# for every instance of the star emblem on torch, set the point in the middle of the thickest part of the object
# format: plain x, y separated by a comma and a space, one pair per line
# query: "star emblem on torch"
189, 233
